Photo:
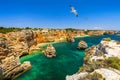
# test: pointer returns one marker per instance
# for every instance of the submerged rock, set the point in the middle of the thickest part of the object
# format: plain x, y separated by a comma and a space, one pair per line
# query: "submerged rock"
50, 51
82, 45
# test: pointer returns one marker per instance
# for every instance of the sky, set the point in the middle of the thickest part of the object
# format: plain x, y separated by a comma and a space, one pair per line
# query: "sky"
93, 14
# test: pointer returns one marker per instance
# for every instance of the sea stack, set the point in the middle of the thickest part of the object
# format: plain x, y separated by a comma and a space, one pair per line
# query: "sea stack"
50, 51
82, 45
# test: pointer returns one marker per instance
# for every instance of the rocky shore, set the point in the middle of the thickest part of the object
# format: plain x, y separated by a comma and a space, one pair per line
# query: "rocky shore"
15, 44
10, 51
101, 62
11, 67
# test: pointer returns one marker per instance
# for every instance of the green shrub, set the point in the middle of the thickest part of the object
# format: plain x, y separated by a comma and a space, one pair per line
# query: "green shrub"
107, 39
100, 53
113, 62
81, 69
86, 32
94, 76
10, 29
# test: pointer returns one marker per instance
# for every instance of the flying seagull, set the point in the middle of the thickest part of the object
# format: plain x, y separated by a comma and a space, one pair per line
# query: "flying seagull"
74, 11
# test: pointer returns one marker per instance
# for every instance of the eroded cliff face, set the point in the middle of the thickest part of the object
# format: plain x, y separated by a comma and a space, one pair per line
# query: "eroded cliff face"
10, 65
96, 33
18, 42
28, 38
12, 46
111, 32
101, 62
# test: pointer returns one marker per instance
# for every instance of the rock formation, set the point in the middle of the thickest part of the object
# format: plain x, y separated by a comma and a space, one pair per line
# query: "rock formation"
101, 62
28, 37
82, 45
50, 51
108, 74
118, 33
70, 38
18, 43
110, 32
77, 76
106, 48
95, 33
10, 65
110, 48
98, 74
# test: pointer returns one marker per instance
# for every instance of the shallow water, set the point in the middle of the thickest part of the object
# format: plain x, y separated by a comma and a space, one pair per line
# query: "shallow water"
67, 61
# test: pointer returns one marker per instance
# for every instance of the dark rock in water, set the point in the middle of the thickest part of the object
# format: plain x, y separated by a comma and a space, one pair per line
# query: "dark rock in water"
50, 51
70, 38
82, 45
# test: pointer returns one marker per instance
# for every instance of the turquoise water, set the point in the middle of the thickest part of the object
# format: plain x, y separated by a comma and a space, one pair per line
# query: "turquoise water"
67, 61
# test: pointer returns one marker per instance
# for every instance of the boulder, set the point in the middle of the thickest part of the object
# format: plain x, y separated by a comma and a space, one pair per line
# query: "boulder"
82, 45
50, 51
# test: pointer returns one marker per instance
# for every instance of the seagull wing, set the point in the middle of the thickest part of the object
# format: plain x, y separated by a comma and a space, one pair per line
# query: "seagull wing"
74, 11
72, 8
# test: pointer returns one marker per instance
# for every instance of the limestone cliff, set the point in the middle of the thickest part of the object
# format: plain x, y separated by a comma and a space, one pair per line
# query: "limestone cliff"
101, 62
18, 43
11, 67
10, 51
